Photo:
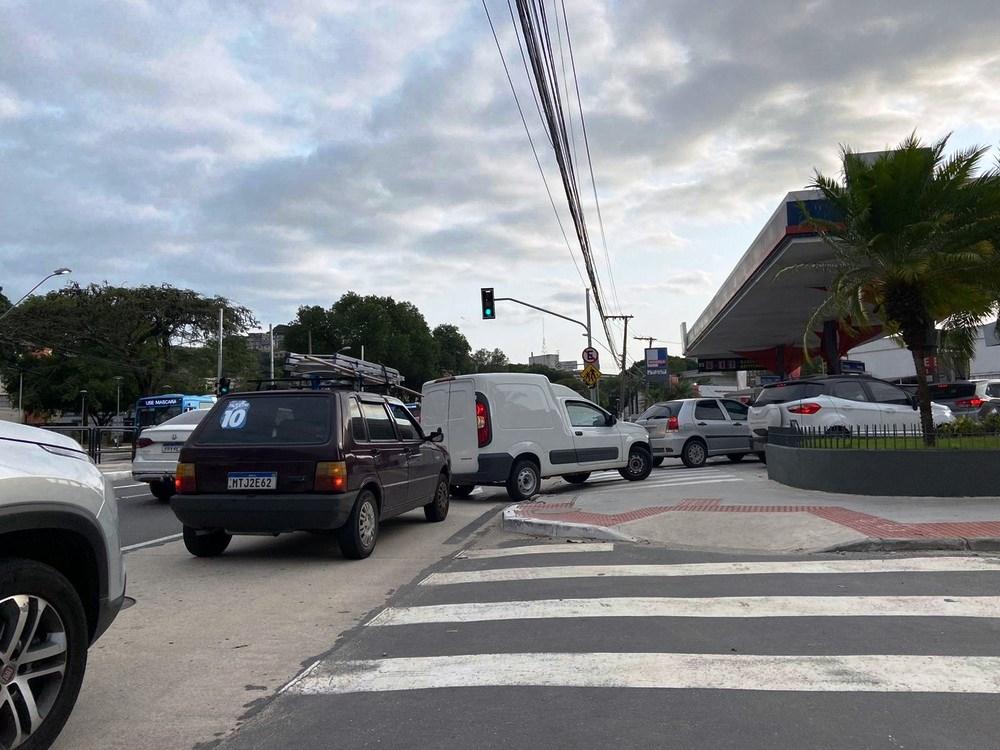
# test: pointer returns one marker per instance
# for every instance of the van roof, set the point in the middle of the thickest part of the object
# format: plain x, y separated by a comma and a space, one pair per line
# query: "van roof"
507, 377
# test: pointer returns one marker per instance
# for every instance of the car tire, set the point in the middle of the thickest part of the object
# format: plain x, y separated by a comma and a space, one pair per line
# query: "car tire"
162, 491
695, 453
524, 480
658, 462
357, 537
577, 478
437, 509
640, 463
462, 490
735, 457
206, 544
63, 622
762, 457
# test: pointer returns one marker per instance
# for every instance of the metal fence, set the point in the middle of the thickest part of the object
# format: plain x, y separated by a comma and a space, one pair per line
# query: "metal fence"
881, 437
103, 444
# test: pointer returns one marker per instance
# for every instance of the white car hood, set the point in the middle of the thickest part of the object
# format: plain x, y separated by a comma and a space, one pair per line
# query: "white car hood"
27, 434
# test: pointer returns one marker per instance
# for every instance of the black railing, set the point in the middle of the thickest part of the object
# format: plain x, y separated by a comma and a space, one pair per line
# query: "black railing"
101, 443
882, 437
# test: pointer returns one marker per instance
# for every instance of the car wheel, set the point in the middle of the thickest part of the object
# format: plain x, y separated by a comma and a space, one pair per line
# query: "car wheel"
357, 537
762, 457
437, 509
640, 463
462, 490
735, 457
206, 543
694, 454
162, 491
43, 652
577, 478
658, 462
524, 480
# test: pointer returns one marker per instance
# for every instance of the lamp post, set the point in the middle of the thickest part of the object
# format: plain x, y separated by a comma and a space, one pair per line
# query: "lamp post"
83, 407
57, 272
118, 394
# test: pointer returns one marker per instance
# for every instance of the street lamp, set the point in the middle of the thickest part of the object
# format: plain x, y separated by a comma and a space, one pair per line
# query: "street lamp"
57, 272
118, 394
83, 408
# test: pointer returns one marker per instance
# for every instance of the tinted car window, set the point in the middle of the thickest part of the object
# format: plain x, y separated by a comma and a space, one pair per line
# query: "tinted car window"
783, 392
585, 415
736, 409
884, 393
952, 390
358, 431
404, 422
852, 390
378, 422
709, 410
257, 420
662, 411
993, 390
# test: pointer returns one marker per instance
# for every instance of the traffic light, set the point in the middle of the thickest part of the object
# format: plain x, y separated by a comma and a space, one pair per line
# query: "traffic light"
489, 310
223, 386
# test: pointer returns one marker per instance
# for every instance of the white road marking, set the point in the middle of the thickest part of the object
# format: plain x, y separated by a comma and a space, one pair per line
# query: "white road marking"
127, 486
133, 497
151, 542
780, 567
849, 673
742, 606
533, 549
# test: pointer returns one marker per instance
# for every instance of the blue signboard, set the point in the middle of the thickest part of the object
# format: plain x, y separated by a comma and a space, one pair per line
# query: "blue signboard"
657, 365
851, 365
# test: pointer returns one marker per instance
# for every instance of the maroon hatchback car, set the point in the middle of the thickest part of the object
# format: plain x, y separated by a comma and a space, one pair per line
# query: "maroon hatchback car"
305, 460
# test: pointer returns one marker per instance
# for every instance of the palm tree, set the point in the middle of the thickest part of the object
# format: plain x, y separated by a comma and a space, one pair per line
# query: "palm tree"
917, 244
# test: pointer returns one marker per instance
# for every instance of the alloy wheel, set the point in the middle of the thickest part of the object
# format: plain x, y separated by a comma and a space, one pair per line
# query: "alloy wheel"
366, 524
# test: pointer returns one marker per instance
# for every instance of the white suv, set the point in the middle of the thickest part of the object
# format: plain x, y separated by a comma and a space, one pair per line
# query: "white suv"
62, 581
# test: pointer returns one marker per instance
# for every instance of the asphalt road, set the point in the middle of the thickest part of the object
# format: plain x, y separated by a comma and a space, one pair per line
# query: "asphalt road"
539, 653
142, 518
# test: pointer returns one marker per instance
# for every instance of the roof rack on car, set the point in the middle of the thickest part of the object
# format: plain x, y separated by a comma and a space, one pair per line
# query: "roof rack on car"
331, 371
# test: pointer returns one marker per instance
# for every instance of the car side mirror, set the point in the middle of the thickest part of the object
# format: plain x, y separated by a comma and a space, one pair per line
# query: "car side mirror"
914, 403
612, 420
437, 436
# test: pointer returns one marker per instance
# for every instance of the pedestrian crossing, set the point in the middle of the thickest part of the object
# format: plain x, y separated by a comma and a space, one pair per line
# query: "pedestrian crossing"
492, 623
672, 477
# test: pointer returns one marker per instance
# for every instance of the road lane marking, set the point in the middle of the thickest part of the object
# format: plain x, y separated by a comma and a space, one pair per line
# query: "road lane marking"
152, 542
849, 673
650, 606
133, 497
779, 567
533, 549
127, 486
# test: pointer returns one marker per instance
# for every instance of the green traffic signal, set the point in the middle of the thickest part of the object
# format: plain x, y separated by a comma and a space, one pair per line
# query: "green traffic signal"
489, 313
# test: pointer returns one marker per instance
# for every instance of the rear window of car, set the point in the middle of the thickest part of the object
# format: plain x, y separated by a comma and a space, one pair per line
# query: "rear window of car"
952, 390
993, 390
268, 420
662, 411
784, 392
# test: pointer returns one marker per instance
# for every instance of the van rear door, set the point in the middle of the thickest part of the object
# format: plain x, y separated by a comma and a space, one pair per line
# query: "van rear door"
460, 432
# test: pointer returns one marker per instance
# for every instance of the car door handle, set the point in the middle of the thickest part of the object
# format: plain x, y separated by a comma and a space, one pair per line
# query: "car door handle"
579, 433
738, 424
703, 424
376, 452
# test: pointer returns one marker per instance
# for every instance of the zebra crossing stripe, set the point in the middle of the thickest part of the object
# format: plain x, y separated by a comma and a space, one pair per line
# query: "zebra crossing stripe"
533, 549
779, 567
642, 606
849, 673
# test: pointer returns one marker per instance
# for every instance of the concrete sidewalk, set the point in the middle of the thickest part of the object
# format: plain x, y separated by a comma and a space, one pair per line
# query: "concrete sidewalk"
735, 507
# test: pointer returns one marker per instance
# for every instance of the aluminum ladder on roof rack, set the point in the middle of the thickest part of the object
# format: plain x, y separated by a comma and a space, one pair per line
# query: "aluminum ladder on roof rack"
341, 366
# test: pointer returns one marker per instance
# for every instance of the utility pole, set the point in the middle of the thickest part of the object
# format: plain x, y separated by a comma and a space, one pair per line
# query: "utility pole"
649, 345
310, 341
270, 336
621, 390
218, 374
20, 395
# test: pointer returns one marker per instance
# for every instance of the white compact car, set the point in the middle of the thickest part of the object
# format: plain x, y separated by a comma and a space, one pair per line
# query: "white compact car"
515, 429
837, 404
157, 450
62, 581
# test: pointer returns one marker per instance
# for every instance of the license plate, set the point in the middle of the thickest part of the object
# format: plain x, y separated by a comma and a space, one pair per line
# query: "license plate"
172, 447
252, 480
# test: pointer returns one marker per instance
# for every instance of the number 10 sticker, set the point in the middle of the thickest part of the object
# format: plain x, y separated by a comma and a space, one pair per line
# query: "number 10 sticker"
235, 415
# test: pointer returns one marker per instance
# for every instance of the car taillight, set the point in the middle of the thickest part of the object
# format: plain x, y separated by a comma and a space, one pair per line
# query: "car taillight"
484, 430
184, 479
969, 403
331, 476
805, 408
144, 443
672, 423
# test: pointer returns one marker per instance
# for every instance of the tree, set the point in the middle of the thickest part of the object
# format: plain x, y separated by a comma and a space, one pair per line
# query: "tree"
916, 244
4, 302
81, 338
453, 350
485, 360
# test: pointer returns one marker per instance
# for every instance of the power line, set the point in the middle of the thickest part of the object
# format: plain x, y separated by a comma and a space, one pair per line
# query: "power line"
527, 131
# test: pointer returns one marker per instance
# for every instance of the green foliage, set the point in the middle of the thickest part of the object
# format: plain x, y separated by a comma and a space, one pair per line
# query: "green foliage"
484, 360
988, 425
453, 350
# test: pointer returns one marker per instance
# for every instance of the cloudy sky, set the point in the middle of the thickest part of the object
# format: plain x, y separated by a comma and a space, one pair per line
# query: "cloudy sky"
281, 153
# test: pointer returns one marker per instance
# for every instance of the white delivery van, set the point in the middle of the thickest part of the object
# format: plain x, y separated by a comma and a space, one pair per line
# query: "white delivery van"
515, 429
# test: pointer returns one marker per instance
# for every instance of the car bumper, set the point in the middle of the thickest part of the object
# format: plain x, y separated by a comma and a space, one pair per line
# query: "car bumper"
264, 513
667, 446
494, 468
107, 611
152, 476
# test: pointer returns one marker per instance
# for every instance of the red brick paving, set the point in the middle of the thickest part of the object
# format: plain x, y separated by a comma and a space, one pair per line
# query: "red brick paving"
869, 525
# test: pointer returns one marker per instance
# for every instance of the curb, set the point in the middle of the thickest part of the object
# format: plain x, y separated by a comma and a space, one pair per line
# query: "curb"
511, 521
921, 544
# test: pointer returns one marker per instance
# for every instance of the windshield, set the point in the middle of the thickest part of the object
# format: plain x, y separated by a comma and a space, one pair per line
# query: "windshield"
784, 392
262, 420
150, 416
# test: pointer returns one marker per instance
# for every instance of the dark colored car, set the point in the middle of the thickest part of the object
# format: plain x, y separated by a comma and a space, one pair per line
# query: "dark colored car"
970, 398
279, 461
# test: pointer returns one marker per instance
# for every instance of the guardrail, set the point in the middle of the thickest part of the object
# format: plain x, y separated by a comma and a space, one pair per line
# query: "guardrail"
101, 443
